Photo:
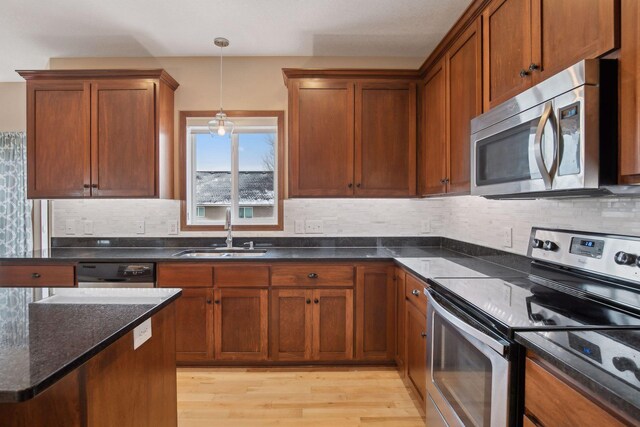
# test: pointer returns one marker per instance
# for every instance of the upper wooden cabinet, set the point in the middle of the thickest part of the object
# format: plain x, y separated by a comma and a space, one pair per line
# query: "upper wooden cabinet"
630, 93
99, 133
351, 135
452, 96
527, 41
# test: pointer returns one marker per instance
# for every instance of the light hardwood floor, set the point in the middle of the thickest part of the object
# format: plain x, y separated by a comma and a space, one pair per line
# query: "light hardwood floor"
333, 397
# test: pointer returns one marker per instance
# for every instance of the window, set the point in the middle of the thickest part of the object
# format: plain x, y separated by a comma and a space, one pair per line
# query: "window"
240, 171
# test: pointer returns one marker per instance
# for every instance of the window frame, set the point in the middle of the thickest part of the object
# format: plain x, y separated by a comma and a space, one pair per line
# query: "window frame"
279, 179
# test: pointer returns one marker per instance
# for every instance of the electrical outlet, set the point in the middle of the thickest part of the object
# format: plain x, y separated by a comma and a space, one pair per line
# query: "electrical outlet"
88, 227
139, 227
426, 227
507, 237
172, 226
70, 227
313, 226
299, 226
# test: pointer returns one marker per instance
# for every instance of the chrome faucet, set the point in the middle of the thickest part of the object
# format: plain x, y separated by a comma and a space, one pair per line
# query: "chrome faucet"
228, 227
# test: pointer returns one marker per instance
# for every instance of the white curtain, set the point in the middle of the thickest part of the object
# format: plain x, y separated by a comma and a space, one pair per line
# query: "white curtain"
16, 235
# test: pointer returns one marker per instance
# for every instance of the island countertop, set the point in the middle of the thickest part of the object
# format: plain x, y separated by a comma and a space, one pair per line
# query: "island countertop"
45, 333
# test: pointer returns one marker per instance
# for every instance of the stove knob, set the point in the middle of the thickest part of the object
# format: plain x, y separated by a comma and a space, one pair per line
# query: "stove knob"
625, 364
623, 258
537, 244
549, 246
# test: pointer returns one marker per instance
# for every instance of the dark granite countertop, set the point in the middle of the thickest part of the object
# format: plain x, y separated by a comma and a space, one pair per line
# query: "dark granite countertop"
43, 338
596, 372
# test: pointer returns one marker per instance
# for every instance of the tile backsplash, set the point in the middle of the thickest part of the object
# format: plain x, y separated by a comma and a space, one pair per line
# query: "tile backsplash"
471, 219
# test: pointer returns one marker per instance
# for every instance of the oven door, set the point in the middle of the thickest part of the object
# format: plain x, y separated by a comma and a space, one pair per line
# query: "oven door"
468, 369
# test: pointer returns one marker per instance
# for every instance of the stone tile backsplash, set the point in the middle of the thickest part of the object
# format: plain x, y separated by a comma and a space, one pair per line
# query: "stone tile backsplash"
468, 218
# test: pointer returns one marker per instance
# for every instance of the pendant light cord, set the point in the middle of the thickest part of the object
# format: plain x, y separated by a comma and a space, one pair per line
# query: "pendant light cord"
220, 78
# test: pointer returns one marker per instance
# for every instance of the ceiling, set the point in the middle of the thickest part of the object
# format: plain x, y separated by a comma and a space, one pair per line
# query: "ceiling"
32, 31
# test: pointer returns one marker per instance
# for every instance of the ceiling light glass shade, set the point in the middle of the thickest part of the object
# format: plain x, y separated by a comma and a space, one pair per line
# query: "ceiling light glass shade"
221, 125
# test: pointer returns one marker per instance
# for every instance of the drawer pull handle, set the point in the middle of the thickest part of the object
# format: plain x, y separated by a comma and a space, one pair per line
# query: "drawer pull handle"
416, 292
35, 275
316, 301
312, 275
308, 301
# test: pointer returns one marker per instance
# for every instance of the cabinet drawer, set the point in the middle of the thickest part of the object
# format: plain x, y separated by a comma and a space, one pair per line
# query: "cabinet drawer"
37, 275
555, 403
312, 275
414, 291
185, 275
241, 276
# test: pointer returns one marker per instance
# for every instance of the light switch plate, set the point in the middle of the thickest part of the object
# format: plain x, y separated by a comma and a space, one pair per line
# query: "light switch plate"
507, 237
141, 333
88, 227
172, 226
70, 227
426, 227
139, 227
299, 226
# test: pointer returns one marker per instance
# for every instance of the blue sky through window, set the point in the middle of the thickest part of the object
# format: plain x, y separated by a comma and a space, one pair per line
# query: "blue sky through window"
213, 153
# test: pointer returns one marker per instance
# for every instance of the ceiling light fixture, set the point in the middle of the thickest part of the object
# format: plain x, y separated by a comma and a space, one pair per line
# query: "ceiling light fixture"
221, 125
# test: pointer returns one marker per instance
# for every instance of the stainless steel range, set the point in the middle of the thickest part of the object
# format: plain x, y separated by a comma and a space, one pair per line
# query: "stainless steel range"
585, 285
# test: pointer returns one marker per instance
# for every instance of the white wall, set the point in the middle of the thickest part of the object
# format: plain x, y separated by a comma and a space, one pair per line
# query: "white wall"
471, 219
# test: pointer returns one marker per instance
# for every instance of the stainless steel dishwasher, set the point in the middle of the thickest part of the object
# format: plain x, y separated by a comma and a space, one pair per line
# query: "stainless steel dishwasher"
116, 275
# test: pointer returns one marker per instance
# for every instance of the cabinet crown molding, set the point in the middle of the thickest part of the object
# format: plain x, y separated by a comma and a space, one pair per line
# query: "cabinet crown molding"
155, 73
348, 73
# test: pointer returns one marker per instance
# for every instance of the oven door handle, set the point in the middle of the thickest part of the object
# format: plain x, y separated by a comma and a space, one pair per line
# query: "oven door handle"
463, 326
547, 174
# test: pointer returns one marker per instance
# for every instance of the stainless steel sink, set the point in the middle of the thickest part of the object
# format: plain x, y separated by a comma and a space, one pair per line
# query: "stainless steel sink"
221, 253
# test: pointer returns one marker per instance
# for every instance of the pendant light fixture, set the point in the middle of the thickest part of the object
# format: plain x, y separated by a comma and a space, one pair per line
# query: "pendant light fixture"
221, 125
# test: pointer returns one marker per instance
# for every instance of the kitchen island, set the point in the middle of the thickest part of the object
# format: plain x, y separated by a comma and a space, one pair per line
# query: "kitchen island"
87, 357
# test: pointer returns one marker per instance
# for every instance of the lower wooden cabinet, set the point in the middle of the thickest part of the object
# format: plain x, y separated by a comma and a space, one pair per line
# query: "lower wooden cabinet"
241, 324
400, 301
375, 313
37, 275
333, 324
194, 325
416, 349
291, 324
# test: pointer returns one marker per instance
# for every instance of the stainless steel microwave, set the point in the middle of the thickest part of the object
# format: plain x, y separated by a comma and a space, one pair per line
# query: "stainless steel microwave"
558, 138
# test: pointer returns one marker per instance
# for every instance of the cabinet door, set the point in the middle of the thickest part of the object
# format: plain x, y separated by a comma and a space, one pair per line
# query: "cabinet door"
291, 324
464, 84
375, 313
385, 139
630, 93
241, 324
123, 138
194, 325
433, 144
507, 50
416, 353
321, 138
333, 324
567, 31
58, 139
400, 301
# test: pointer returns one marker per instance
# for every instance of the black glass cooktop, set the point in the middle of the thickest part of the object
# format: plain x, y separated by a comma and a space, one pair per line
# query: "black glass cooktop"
525, 303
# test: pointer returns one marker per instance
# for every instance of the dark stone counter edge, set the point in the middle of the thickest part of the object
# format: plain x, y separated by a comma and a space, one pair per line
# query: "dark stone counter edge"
36, 389
613, 398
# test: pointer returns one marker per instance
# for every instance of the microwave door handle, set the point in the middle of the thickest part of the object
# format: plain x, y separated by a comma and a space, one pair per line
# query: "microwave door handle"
537, 145
496, 345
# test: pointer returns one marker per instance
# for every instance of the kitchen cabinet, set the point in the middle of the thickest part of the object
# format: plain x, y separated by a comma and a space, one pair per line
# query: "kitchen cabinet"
99, 133
416, 350
351, 136
194, 325
375, 313
399, 278
333, 324
527, 41
452, 97
630, 93
291, 323
551, 401
241, 324
37, 275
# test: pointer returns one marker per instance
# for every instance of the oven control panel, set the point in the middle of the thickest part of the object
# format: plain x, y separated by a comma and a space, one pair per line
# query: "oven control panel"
606, 254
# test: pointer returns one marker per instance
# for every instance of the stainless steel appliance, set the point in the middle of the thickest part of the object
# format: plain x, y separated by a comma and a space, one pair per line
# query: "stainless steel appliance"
116, 275
584, 284
558, 138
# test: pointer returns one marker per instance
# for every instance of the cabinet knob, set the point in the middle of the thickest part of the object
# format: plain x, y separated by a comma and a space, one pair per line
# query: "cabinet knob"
533, 66
312, 275
416, 292
86, 186
35, 275
308, 301
208, 301
358, 185
524, 73
423, 334
216, 301
316, 301
94, 185
350, 185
